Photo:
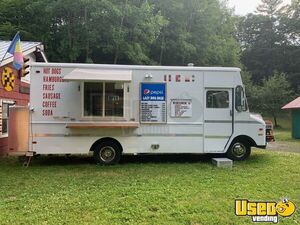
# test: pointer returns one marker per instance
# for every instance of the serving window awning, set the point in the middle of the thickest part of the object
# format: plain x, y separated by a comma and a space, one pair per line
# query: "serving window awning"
99, 75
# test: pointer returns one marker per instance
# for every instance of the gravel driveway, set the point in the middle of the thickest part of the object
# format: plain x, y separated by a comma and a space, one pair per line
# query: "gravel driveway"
284, 146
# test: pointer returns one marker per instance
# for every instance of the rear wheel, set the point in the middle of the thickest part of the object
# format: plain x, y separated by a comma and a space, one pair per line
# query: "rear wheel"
239, 150
107, 153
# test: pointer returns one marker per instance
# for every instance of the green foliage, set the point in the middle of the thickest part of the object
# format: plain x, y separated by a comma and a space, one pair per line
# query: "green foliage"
135, 29
7, 30
275, 90
269, 97
57, 190
85, 30
169, 32
197, 31
252, 92
270, 41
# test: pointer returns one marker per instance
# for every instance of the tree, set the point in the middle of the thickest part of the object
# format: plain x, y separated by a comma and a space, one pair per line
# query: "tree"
252, 91
169, 32
136, 27
273, 94
260, 39
270, 41
198, 31
270, 8
290, 27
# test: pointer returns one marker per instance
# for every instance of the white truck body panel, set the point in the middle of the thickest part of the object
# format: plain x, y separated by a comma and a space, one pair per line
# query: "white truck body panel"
56, 103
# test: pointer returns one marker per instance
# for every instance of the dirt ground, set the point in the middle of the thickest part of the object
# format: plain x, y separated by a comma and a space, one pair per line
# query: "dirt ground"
284, 146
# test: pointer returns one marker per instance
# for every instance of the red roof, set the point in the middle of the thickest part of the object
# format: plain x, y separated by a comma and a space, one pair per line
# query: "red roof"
295, 104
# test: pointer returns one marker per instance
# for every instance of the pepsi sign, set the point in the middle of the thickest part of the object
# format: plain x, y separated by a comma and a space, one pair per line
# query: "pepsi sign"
153, 91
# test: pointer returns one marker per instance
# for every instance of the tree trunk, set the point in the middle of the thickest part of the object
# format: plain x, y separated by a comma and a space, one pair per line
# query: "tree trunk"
162, 47
87, 46
120, 30
275, 120
70, 37
116, 55
188, 30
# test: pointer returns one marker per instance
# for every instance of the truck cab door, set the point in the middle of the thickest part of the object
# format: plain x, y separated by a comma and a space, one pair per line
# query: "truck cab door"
218, 119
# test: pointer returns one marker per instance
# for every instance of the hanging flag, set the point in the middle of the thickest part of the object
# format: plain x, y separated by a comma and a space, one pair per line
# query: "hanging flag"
15, 49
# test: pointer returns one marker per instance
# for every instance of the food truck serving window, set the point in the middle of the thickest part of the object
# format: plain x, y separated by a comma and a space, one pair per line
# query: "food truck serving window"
104, 99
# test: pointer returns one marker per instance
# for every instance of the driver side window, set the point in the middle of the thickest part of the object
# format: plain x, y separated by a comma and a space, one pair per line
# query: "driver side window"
217, 99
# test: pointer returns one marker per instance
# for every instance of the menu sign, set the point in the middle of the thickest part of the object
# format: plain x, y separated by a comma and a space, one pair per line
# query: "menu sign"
52, 78
153, 103
181, 108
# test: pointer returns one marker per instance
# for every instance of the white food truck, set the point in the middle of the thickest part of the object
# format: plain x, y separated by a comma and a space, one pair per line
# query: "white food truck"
112, 110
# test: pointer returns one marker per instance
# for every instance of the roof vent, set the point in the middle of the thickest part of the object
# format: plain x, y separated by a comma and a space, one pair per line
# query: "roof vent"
190, 64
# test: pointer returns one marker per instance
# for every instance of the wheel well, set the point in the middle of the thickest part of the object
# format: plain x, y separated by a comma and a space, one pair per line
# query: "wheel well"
106, 139
245, 138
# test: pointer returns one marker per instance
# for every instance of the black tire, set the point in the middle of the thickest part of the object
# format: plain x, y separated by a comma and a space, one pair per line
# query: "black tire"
239, 150
107, 153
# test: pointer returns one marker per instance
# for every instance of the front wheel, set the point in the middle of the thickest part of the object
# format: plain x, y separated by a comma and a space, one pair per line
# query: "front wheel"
238, 151
107, 153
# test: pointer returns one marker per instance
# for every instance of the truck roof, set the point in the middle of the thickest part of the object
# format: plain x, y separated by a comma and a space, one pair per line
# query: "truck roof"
135, 67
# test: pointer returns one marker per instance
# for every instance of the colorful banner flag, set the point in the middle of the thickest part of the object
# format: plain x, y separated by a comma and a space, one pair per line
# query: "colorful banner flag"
15, 49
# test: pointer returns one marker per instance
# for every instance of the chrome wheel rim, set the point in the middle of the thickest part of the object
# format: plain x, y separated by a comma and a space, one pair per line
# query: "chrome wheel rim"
239, 150
107, 154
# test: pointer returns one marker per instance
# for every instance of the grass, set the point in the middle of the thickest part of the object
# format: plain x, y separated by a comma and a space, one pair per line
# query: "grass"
143, 190
284, 135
